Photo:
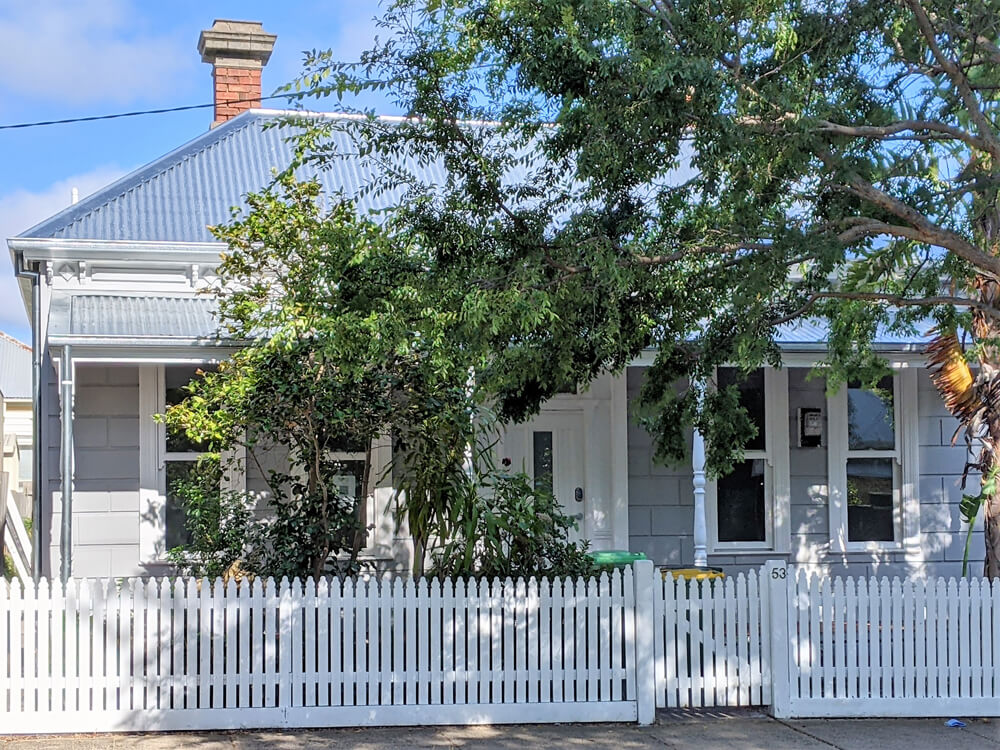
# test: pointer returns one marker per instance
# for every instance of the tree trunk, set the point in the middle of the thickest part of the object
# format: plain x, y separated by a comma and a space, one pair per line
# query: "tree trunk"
987, 328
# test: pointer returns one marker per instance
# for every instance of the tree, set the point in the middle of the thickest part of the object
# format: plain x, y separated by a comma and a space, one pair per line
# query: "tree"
690, 175
329, 357
346, 335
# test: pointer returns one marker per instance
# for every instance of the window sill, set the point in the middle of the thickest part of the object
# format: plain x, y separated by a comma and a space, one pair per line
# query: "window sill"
867, 547
742, 551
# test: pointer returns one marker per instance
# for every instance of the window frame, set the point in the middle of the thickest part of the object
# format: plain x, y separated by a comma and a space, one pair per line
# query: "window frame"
905, 462
777, 481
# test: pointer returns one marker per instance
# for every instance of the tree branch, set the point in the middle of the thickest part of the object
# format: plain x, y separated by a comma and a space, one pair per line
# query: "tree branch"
879, 132
890, 299
927, 231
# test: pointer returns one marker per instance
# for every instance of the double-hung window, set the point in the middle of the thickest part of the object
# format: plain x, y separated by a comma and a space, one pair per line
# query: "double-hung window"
872, 463
747, 508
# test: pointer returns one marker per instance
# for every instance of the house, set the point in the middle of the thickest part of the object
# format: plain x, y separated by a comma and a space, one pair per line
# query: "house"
16, 419
844, 481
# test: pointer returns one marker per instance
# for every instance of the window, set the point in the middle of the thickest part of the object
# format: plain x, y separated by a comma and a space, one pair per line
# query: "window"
872, 463
741, 505
180, 457
165, 459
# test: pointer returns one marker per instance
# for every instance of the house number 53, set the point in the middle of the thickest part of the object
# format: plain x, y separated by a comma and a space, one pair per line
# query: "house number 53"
778, 573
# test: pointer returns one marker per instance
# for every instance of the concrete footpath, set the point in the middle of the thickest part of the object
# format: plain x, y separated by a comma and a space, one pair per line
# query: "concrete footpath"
703, 730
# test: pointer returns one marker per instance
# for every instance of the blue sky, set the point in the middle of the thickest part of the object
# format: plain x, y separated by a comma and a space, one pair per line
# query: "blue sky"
73, 58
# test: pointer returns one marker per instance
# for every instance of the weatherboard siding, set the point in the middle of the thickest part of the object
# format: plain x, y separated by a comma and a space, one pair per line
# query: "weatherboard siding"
661, 499
106, 474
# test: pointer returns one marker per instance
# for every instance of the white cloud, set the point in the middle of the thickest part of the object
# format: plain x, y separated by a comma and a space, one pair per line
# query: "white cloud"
21, 210
86, 51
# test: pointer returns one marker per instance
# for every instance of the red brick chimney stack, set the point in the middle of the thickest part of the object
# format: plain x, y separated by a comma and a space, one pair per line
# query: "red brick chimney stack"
237, 51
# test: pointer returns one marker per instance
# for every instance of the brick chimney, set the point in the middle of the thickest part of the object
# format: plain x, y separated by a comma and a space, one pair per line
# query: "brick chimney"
237, 51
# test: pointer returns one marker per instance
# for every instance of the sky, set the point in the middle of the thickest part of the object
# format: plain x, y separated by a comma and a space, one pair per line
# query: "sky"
75, 58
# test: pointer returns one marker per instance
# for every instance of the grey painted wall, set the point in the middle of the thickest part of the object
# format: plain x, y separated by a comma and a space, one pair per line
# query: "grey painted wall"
106, 467
661, 498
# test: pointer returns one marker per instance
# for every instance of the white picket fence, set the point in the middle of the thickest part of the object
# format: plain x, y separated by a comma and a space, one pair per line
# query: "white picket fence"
162, 654
875, 647
178, 654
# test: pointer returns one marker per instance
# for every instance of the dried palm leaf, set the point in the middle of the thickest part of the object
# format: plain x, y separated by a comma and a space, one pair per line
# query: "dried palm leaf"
953, 378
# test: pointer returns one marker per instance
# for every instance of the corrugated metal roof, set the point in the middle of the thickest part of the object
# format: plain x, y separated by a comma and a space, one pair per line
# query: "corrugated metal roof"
132, 317
15, 368
813, 331
176, 197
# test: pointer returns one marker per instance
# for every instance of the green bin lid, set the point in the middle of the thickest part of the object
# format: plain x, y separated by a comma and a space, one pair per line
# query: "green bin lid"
616, 557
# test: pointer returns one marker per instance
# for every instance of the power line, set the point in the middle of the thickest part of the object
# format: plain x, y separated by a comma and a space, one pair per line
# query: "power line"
118, 115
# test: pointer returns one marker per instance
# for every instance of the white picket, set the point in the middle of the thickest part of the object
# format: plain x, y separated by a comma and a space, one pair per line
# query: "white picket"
941, 622
372, 643
295, 670
241, 646
177, 666
130, 645
448, 641
337, 636
485, 625
618, 637
922, 644
558, 655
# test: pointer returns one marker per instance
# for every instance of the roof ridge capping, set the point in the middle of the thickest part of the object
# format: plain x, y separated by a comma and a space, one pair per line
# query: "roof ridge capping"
7, 337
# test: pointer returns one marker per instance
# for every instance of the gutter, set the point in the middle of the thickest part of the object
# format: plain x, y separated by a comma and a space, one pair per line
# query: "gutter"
21, 271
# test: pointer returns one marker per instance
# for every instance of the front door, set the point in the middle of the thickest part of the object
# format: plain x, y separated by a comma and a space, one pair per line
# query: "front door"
554, 460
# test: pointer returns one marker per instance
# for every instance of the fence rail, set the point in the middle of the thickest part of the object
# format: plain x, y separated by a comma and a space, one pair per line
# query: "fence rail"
182, 654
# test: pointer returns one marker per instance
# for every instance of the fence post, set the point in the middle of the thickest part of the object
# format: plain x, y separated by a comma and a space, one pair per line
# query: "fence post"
645, 656
779, 577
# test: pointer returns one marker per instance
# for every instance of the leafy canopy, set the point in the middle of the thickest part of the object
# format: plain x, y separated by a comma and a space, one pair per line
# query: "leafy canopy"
688, 176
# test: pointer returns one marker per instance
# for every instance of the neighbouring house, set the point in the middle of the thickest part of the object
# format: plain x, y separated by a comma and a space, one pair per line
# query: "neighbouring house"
843, 481
16, 419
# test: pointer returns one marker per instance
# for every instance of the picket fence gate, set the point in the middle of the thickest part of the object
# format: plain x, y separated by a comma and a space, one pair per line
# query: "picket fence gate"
164, 654
712, 645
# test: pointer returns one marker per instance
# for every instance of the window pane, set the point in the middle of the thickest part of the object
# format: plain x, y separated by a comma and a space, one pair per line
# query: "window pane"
349, 478
542, 460
176, 378
870, 418
751, 399
741, 503
177, 533
869, 500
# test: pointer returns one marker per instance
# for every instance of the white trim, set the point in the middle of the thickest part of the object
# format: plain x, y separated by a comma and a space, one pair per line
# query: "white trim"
152, 511
906, 467
125, 251
619, 460
778, 421
777, 480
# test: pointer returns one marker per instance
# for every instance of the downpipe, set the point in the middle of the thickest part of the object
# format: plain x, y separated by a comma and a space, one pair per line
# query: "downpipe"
23, 272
